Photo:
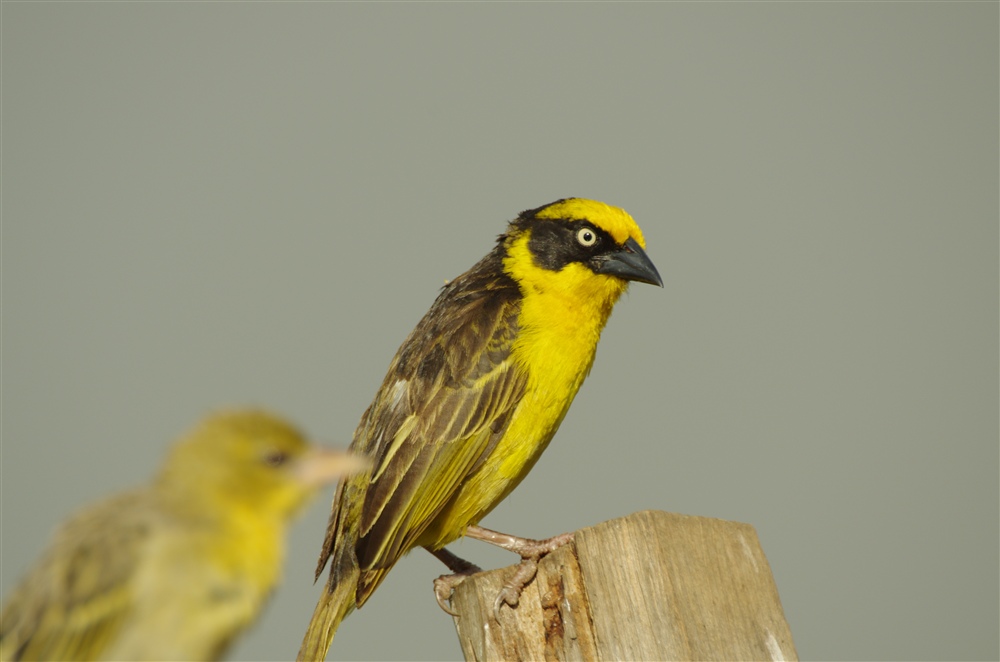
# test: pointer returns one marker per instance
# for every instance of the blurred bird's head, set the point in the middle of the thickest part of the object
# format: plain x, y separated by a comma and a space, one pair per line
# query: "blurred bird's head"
250, 459
583, 248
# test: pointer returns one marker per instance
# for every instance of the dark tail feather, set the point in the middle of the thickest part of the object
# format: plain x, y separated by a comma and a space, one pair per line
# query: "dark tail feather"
336, 603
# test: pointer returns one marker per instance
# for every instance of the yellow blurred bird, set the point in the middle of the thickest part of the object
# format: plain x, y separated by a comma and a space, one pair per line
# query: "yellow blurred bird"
473, 397
173, 570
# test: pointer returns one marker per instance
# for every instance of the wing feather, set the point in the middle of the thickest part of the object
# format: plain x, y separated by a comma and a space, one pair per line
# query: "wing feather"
75, 600
443, 406
445, 403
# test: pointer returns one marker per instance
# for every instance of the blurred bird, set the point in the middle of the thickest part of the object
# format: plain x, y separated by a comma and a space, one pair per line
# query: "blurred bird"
473, 397
176, 569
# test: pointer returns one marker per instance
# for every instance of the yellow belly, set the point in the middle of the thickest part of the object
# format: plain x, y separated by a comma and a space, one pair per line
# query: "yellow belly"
556, 345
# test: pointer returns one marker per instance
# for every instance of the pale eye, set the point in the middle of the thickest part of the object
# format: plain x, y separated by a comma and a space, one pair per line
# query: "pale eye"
586, 237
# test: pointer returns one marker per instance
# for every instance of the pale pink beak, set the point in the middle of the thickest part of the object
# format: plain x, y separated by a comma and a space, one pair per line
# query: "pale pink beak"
322, 465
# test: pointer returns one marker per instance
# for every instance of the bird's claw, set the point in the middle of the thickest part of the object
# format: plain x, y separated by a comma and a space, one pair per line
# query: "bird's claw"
510, 594
530, 551
444, 586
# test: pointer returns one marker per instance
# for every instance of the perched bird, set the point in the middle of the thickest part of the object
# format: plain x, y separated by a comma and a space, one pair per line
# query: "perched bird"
175, 569
473, 397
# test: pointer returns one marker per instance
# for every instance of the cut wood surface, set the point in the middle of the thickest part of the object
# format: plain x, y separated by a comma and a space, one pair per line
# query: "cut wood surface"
650, 586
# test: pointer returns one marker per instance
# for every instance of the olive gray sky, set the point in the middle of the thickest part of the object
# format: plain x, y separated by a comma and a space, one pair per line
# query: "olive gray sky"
253, 203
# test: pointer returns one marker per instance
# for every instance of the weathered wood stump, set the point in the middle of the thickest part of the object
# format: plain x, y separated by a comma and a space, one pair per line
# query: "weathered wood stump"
650, 586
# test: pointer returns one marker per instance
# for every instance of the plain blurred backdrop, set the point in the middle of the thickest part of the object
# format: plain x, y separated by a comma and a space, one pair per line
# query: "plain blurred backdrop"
253, 203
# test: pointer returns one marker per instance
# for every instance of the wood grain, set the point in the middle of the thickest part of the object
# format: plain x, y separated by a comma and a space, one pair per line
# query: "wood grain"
650, 586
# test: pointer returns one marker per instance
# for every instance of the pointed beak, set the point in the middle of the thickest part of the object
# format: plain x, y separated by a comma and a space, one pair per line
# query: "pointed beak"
323, 465
631, 263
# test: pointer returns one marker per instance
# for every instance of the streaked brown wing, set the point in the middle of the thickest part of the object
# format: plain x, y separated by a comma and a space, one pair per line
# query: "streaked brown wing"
436, 454
444, 404
76, 598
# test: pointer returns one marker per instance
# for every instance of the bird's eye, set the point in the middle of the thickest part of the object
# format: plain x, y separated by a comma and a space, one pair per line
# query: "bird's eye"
275, 458
586, 237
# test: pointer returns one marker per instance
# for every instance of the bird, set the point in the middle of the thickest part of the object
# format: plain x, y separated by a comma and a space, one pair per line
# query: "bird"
472, 398
177, 568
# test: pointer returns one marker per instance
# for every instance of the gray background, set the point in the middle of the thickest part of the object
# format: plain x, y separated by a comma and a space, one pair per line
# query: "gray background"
211, 204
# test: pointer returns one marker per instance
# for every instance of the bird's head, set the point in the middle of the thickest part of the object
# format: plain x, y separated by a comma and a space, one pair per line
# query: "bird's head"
250, 460
580, 246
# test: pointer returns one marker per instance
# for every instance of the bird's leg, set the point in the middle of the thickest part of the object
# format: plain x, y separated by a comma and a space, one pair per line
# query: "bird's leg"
530, 551
455, 563
445, 584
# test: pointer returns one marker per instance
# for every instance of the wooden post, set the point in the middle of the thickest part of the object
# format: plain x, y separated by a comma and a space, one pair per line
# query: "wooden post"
650, 586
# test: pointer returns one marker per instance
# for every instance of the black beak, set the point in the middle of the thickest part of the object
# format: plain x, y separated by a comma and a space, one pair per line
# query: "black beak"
629, 262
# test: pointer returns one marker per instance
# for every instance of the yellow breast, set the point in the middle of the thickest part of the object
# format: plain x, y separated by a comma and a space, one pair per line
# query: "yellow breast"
200, 588
560, 323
